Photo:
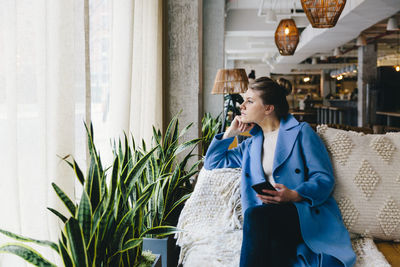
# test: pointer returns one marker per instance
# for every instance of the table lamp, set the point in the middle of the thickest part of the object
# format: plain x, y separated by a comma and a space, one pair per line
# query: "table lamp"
230, 82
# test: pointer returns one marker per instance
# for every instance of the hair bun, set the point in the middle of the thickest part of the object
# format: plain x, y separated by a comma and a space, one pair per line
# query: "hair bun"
286, 85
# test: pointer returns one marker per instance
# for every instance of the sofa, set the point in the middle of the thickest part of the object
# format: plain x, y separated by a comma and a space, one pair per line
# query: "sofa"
367, 189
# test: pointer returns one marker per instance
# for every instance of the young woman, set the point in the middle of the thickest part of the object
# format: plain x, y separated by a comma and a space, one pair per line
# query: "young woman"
299, 224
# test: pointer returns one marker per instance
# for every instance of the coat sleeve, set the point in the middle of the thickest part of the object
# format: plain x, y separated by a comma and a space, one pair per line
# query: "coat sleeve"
320, 181
219, 156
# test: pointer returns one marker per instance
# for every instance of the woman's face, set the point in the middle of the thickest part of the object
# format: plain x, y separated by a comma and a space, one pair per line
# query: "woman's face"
253, 109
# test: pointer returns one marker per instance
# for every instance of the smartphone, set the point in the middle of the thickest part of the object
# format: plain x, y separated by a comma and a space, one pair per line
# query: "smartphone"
264, 185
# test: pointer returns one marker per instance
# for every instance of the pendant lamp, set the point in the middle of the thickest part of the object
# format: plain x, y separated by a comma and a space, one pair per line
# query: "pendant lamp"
287, 37
323, 13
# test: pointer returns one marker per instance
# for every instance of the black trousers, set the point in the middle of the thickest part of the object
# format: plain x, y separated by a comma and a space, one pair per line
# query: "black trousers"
271, 233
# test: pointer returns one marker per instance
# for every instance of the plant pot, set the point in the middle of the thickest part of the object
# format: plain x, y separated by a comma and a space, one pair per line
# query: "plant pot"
157, 261
166, 247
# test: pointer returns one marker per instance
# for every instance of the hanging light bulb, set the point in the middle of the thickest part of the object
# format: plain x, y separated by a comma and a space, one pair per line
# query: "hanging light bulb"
286, 37
397, 68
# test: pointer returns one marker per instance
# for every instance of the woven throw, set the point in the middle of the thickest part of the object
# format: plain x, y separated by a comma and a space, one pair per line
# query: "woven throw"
212, 223
367, 173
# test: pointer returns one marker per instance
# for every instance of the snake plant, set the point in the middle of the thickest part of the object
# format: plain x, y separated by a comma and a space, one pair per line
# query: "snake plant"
167, 172
105, 228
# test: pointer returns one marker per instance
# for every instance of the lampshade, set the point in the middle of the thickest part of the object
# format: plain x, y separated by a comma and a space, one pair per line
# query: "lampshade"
392, 24
361, 40
287, 37
323, 13
230, 81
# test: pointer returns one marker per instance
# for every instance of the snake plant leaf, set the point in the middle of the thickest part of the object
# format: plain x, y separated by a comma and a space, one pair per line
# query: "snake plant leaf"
76, 243
90, 138
195, 166
126, 158
168, 132
65, 199
97, 216
156, 136
76, 169
146, 194
184, 130
58, 214
84, 216
93, 182
27, 239
137, 170
176, 131
78, 172
121, 230
185, 178
161, 205
187, 144
130, 244
161, 231
28, 254
177, 203
143, 145
133, 143
66, 258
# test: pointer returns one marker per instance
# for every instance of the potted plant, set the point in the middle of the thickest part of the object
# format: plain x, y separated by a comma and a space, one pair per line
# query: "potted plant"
105, 227
170, 173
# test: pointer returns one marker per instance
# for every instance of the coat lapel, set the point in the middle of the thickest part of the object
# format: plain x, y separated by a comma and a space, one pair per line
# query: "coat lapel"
286, 138
255, 155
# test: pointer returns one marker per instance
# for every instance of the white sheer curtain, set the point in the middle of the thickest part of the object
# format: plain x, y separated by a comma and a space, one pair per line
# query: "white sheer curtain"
136, 73
42, 98
41, 113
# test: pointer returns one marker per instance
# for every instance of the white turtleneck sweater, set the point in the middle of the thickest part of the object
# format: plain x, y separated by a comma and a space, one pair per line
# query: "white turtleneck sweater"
268, 153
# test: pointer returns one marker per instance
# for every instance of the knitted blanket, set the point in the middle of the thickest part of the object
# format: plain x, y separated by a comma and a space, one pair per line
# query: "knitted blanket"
212, 223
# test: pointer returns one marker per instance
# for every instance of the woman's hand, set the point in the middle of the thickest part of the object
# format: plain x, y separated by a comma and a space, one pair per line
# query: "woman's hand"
237, 127
282, 196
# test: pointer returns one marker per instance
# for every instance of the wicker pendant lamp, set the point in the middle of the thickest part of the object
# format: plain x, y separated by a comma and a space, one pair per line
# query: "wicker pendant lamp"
323, 13
287, 37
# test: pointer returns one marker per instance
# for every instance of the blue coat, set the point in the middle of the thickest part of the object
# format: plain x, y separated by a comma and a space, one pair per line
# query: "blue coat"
301, 163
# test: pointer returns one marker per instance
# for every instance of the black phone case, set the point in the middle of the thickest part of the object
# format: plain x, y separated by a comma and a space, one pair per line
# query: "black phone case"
264, 185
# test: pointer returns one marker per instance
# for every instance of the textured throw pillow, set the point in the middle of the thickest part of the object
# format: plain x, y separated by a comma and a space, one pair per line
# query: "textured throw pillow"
367, 173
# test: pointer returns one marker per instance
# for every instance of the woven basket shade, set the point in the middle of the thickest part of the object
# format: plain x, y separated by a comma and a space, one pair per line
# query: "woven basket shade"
323, 13
230, 81
287, 37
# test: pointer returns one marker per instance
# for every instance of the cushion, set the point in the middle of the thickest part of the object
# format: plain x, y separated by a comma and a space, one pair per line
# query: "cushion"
367, 172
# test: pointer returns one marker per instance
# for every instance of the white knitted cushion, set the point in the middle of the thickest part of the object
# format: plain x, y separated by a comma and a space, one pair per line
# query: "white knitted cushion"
367, 172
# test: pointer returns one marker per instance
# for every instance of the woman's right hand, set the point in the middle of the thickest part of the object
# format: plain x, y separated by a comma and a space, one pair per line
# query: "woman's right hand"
237, 127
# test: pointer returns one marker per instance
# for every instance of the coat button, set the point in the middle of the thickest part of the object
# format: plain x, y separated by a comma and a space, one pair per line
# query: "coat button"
297, 170
316, 211
246, 174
